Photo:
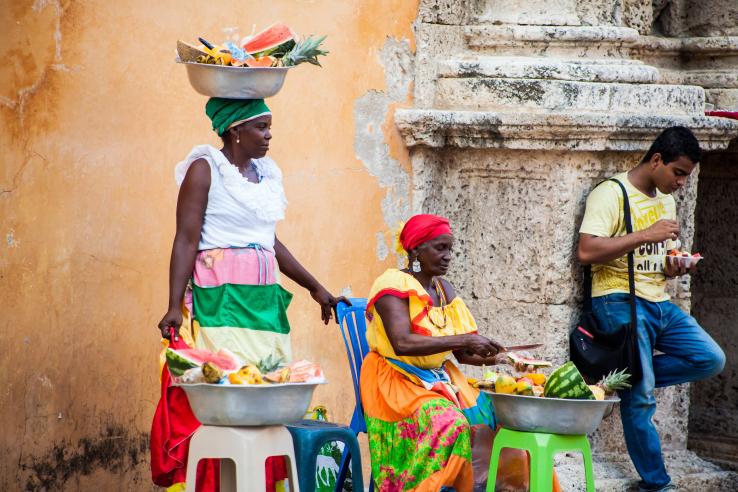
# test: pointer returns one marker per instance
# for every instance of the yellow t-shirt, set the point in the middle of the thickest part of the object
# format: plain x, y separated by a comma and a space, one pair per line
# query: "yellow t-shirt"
425, 319
603, 217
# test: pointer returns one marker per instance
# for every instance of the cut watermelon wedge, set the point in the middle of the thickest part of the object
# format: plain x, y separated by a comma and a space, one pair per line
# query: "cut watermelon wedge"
519, 359
179, 361
268, 39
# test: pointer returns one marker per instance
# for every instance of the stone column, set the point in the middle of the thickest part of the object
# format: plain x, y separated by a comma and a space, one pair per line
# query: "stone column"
520, 108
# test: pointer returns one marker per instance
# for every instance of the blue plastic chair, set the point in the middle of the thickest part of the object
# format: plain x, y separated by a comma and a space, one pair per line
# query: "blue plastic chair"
310, 435
352, 321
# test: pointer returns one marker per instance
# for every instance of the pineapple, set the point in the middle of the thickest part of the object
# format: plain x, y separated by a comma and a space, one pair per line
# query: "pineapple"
614, 381
304, 51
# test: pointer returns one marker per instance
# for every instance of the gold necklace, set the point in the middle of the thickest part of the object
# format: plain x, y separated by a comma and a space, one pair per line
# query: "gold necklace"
442, 304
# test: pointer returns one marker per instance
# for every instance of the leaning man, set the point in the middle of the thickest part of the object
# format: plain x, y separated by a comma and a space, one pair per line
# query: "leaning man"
687, 352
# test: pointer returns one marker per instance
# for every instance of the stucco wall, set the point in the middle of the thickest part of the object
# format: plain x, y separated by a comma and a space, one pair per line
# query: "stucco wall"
94, 116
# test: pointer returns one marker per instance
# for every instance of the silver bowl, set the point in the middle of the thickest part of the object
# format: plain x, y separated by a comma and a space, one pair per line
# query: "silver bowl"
551, 415
249, 405
235, 82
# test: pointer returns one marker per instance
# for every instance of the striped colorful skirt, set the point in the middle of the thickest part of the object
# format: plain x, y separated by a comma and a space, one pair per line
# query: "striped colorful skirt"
238, 304
235, 302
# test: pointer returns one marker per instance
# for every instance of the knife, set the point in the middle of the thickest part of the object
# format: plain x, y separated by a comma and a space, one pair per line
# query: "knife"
514, 348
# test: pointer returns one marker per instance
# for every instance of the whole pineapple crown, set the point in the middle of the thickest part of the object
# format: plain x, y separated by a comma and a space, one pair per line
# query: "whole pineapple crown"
305, 51
615, 380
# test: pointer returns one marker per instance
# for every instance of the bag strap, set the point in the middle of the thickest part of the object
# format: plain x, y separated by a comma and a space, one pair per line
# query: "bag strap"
631, 272
587, 278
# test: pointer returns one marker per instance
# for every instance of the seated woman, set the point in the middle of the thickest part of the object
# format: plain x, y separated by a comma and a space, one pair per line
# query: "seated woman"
419, 407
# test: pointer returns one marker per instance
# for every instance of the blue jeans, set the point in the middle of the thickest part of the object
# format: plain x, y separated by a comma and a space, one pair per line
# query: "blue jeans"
689, 354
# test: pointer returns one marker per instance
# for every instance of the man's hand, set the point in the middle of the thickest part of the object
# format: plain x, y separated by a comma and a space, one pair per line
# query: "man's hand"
674, 267
661, 231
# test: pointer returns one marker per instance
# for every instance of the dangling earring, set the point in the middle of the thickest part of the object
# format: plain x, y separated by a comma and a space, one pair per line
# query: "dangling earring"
238, 139
416, 266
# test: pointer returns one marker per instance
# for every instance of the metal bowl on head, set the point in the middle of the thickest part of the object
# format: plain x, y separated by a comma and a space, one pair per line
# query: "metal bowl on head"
249, 405
235, 82
550, 415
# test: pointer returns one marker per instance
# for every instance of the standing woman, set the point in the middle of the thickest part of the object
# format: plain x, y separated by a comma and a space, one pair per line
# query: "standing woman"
226, 259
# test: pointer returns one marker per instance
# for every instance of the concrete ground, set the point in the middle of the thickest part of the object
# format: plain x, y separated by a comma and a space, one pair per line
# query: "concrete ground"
615, 473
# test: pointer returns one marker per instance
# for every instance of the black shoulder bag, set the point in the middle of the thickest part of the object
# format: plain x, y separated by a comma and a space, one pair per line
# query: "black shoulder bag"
596, 352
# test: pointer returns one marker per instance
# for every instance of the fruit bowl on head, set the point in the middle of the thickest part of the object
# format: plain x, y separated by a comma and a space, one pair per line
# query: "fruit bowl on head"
235, 82
249, 405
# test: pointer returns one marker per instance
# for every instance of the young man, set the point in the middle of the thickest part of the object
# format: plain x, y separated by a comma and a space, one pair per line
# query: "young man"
688, 352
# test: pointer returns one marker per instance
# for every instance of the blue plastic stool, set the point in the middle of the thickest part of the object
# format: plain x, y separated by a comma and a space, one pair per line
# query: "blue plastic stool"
308, 437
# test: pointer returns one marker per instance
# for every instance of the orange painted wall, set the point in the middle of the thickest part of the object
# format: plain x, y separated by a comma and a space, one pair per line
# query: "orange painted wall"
94, 116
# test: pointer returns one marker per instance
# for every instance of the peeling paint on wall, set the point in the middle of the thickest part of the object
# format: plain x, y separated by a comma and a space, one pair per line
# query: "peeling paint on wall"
10, 239
370, 113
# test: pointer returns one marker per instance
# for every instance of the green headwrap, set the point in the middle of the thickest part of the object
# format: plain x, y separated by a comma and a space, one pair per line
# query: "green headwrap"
224, 112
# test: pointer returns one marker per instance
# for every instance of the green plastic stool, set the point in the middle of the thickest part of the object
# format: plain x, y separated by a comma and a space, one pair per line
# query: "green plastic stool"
541, 448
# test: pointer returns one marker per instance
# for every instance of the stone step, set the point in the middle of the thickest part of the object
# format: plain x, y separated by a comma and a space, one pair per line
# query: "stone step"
575, 41
615, 473
500, 94
527, 67
578, 131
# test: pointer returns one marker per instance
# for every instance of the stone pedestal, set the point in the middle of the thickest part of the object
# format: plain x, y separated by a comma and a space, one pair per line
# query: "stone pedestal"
515, 121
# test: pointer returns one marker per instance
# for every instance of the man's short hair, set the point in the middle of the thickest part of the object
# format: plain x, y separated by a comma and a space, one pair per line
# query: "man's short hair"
673, 143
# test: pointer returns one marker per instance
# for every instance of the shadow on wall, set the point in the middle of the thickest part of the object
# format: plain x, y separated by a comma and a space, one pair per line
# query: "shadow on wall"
713, 420
116, 450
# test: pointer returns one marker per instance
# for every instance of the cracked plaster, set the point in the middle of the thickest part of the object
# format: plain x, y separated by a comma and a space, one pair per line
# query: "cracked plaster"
32, 71
371, 111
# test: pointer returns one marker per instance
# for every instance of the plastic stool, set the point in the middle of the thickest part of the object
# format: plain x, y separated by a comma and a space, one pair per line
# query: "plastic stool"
541, 448
308, 437
248, 447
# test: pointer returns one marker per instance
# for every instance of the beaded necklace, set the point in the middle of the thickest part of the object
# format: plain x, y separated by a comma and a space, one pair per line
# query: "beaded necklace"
442, 304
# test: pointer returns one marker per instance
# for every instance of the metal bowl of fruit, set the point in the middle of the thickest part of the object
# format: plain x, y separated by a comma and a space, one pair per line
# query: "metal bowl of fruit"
561, 403
235, 82
249, 405
551, 415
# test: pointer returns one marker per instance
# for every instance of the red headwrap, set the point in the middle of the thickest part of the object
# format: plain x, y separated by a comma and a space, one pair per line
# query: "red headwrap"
422, 228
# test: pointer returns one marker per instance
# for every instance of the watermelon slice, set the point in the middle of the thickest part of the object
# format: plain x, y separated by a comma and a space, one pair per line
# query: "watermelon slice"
179, 361
519, 359
270, 38
567, 382
304, 371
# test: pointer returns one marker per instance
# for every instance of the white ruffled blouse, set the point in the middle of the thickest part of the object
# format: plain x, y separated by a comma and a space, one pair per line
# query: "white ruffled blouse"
239, 212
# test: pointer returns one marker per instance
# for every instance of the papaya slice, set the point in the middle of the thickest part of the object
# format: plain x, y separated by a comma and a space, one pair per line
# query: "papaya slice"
265, 61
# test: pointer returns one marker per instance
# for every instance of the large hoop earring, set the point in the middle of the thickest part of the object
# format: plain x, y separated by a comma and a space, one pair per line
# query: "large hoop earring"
416, 266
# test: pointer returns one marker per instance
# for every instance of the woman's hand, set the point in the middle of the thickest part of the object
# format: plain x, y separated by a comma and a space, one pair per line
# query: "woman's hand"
482, 346
173, 319
327, 302
502, 358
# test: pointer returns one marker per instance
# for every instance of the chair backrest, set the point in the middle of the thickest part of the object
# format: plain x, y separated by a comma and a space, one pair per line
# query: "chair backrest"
352, 321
